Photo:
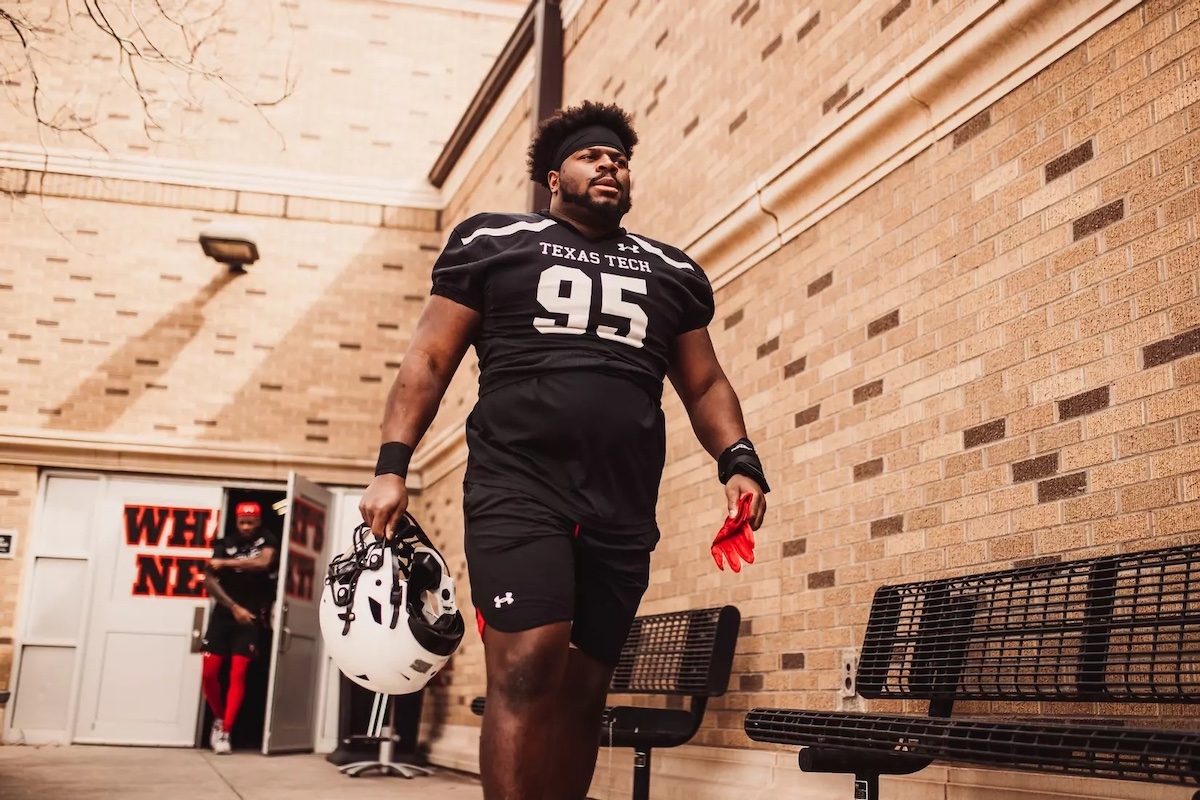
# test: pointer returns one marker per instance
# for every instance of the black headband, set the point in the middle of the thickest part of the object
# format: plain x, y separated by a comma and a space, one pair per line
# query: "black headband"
591, 136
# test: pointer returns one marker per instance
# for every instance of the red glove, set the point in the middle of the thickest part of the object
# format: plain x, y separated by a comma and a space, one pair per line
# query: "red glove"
736, 539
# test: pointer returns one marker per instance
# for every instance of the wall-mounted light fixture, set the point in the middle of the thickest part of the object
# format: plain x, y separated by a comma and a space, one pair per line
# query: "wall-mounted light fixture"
230, 244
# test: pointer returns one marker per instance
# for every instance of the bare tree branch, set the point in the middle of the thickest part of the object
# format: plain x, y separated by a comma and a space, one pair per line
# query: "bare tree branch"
159, 45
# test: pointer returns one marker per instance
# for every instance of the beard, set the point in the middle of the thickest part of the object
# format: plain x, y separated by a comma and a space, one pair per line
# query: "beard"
603, 211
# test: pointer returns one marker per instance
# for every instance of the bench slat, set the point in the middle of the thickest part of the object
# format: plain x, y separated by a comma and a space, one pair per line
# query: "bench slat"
1158, 756
1119, 628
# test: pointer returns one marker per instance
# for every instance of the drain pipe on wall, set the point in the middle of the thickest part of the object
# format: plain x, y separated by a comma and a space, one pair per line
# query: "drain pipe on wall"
547, 79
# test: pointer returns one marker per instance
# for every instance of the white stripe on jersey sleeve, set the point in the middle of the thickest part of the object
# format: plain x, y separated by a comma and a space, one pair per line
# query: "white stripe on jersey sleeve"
652, 249
509, 230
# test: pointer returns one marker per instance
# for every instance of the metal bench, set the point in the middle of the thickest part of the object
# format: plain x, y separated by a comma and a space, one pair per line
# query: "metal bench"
1121, 629
684, 654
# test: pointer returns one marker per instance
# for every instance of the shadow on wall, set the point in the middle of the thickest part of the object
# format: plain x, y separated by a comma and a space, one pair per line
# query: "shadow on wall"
98, 401
321, 388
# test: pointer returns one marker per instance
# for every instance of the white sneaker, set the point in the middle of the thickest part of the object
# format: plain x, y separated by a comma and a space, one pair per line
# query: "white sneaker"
221, 745
215, 732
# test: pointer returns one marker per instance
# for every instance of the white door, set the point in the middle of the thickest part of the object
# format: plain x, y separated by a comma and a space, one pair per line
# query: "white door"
141, 672
296, 644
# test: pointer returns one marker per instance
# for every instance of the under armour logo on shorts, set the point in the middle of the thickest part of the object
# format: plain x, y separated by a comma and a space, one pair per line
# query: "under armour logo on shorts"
507, 598
632, 248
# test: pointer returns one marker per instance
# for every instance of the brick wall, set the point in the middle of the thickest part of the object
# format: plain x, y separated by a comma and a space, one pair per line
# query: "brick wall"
113, 322
116, 322
725, 91
988, 358
352, 89
18, 487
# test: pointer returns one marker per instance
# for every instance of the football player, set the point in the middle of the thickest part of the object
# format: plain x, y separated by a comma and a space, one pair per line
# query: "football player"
576, 322
240, 577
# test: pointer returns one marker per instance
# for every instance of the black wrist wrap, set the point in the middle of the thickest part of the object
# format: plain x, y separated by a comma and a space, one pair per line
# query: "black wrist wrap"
393, 459
740, 459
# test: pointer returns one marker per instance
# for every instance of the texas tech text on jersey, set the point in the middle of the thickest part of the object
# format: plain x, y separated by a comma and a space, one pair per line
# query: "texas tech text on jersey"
574, 342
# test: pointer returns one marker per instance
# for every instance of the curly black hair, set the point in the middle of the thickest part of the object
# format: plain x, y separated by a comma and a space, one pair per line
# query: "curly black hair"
553, 130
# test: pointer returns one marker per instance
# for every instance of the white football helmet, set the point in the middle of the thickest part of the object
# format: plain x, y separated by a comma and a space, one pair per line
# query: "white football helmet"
388, 612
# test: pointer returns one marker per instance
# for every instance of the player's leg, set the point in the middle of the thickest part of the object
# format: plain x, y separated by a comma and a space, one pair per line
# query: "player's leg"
238, 666
520, 562
516, 744
210, 683
611, 574
245, 647
579, 708
216, 647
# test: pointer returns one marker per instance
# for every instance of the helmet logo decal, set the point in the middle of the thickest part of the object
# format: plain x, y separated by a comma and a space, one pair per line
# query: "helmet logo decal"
500, 600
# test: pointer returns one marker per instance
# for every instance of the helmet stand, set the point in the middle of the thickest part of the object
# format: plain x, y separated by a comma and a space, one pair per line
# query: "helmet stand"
377, 729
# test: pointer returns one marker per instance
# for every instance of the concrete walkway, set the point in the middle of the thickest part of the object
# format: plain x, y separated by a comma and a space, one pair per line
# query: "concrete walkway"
138, 773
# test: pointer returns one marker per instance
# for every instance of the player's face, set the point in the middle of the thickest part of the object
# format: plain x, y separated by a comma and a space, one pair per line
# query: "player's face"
596, 179
247, 526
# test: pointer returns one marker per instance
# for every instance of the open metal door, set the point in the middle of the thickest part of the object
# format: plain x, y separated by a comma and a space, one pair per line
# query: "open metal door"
141, 668
296, 638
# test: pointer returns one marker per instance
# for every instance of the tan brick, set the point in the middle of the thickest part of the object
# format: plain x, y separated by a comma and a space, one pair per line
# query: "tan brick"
1175, 403
1125, 528
1058, 436
980, 481
1187, 371
1185, 316
1009, 548
1036, 517
1122, 233
1090, 506
1148, 496
1121, 473
1110, 369
1178, 519
1190, 428
1086, 454
1179, 461
1112, 420
1010, 498
1143, 383
1147, 439
1077, 355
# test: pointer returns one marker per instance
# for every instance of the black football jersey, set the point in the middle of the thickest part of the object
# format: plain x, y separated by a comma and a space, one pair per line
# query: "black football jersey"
574, 343
255, 590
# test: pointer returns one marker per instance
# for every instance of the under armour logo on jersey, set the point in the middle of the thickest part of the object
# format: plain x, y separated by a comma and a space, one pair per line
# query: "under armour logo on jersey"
501, 600
630, 248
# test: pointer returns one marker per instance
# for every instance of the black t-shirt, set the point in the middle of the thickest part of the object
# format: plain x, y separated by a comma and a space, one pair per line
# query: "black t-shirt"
254, 591
574, 344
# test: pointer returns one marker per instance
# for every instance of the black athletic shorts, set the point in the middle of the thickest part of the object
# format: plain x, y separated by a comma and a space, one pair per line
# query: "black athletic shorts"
531, 566
226, 636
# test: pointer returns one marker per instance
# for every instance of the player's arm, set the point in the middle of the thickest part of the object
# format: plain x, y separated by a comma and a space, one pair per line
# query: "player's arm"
714, 410
260, 563
443, 334
217, 592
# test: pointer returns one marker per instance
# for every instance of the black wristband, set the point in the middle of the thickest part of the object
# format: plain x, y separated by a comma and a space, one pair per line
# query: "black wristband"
393, 459
741, 459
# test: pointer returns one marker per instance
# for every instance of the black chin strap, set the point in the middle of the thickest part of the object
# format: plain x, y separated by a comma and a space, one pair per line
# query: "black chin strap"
367, 554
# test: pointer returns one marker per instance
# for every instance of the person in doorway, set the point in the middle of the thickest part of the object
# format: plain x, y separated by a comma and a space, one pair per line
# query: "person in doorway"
240, 578
577, 322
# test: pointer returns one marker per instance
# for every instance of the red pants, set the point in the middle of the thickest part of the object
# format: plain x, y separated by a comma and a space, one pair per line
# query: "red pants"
224, 708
